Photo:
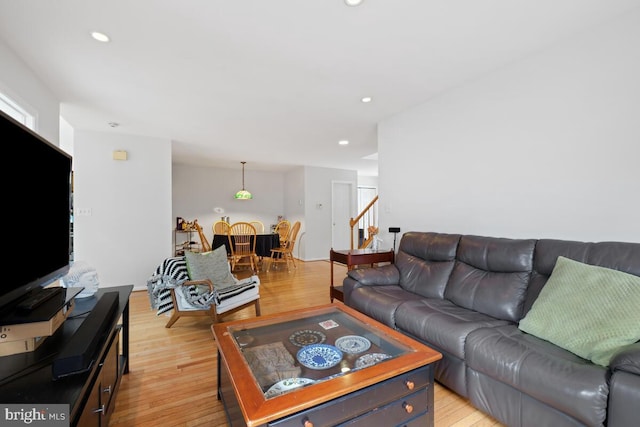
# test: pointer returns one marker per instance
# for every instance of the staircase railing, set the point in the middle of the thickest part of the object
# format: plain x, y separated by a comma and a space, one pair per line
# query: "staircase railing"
368, 215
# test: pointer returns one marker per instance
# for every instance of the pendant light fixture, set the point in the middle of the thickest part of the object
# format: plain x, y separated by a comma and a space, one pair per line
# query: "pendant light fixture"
243, 194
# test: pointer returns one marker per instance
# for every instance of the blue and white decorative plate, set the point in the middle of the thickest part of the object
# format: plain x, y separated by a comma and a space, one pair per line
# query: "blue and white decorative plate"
319, 356
370, 359
353, 344
286, 385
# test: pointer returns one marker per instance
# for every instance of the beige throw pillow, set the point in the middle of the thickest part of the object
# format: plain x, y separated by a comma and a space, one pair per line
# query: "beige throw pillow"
211, 265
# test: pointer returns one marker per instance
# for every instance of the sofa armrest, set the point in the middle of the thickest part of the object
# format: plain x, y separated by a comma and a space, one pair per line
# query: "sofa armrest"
373, 276
628, 359
376, 276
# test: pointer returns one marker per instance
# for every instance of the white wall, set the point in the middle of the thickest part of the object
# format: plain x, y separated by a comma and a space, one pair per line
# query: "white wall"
128, 233
294, 207
547, 147
21, 84
198, 190
368, 181
316, 241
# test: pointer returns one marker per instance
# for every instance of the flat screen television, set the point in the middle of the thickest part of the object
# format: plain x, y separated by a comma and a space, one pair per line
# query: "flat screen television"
37, 200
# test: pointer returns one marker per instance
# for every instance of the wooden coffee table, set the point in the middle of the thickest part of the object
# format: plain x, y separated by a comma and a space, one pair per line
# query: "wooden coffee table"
322, 366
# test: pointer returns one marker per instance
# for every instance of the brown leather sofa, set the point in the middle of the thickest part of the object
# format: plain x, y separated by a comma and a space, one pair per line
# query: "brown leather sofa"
464, 296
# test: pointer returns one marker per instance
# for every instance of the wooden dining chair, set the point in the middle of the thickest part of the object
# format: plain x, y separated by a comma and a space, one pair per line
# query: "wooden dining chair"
284, 254
283, 228
242, 243
220, 227
258, 225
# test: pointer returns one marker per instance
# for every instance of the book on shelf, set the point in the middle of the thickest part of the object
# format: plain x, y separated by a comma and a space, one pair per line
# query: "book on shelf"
44, 328
20, 346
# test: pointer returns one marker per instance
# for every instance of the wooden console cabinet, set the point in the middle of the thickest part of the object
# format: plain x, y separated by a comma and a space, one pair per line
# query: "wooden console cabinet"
101, 399
404, 400
26, 378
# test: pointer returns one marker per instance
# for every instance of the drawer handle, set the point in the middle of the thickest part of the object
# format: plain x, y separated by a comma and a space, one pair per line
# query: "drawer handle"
100, 409
410, 384
408, 407
107, 390
306, 422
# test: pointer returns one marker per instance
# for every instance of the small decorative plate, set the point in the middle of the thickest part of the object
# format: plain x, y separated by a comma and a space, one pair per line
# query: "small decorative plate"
286, 385
307, 337
319, 356
353, 344
370, 359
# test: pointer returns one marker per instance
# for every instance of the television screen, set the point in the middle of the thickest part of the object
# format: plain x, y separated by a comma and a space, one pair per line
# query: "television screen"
37, 200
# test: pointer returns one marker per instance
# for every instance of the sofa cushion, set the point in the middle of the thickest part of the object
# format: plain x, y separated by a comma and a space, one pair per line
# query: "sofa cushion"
623, 398
542, 370
380, 302
491, 276
442, 323
589, 310
425, 262
212, 265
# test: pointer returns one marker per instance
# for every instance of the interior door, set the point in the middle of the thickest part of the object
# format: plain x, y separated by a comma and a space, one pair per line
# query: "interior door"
342, 210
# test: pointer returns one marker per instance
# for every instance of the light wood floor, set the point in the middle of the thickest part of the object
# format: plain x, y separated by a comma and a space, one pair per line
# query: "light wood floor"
172, 379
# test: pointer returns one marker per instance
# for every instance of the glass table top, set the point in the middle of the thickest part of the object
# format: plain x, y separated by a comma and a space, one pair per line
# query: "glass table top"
296, 352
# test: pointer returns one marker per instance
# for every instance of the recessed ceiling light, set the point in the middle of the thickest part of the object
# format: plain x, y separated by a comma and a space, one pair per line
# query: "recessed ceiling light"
343, 142
352, 2
100, 37
366, 99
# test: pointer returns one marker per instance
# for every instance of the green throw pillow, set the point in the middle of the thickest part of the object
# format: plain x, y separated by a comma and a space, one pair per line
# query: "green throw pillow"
211, 265
588, 310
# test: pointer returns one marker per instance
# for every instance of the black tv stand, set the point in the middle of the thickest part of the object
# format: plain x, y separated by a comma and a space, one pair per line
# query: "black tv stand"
26, 378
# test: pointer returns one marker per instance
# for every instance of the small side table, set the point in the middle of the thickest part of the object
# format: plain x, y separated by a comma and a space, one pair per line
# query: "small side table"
352, 258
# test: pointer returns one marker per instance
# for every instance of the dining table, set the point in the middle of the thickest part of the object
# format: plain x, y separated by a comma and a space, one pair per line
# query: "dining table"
264, 243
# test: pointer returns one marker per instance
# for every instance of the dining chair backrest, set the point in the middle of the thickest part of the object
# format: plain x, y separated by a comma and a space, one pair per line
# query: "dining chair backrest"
293, 235
282, 228
258, 225
242, 243
284, 254
220, 227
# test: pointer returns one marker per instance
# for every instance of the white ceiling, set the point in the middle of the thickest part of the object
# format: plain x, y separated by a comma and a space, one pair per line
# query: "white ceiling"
275, 83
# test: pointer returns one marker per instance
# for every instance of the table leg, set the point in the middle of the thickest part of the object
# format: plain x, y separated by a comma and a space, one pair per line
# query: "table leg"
331, 289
